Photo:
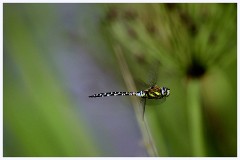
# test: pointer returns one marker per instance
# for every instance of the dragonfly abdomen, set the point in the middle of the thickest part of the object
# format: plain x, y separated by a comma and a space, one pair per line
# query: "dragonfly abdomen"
113, 94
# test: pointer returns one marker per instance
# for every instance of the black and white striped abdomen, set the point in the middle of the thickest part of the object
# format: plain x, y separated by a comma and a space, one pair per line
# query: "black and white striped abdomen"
113, 94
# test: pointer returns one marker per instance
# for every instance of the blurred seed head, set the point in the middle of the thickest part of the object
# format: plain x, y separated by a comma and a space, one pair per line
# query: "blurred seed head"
187, 39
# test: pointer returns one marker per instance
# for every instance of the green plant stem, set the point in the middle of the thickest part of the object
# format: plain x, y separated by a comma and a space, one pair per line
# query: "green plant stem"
146, 134
195, 118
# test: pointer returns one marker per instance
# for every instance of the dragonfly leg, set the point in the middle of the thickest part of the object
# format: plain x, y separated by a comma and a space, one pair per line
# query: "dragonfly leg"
144, 106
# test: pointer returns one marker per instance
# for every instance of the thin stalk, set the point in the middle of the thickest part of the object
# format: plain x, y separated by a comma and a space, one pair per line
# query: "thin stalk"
195, 118
146, 134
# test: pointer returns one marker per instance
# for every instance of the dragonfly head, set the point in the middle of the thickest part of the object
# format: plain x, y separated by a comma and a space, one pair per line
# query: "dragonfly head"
165, 91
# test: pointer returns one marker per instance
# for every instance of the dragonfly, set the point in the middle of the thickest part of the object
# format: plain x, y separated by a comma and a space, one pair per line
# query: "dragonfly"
153, 92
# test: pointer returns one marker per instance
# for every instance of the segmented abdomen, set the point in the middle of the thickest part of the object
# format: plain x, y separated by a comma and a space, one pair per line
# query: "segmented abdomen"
113, 94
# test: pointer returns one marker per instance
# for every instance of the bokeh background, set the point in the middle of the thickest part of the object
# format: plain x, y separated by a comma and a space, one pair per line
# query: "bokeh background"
56, 55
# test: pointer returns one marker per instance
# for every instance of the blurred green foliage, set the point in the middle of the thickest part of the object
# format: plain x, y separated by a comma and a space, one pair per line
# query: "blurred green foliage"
39, 117
196, 47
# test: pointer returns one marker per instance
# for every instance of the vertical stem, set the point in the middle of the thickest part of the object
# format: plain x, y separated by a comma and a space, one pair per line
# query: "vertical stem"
195, 118
147, 137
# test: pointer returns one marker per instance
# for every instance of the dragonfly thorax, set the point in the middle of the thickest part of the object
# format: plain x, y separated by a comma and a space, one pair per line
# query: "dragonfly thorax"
156, 92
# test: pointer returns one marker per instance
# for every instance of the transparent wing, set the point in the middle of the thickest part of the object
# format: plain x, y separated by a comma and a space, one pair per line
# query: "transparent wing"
156, 102
152, 76
153, 73
141, 85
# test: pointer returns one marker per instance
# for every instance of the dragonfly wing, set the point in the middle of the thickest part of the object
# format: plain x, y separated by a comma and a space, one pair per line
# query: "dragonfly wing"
153, 72
162, 100
156, 102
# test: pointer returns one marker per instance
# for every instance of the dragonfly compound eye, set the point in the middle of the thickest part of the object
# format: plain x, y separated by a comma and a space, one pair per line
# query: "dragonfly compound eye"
163, 91
168, 92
